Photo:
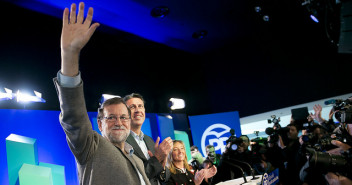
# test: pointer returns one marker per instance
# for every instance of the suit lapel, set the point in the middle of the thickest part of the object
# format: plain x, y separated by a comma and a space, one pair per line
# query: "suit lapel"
137, 150
150, 143
141, 169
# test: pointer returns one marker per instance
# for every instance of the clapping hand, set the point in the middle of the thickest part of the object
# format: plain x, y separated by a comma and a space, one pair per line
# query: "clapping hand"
163, 149
199, 176
210, 172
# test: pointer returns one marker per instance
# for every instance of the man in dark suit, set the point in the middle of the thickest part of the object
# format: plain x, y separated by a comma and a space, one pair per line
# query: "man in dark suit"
153, 155
101, 159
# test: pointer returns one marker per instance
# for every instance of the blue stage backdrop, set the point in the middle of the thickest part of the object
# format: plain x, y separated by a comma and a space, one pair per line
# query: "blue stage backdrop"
214, 129
51, 139
44, 126
52, 147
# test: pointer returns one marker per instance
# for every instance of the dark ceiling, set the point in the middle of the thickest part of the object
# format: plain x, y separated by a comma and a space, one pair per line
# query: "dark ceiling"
243, 63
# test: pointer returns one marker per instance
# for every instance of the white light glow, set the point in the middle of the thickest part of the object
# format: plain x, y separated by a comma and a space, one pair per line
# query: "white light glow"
314, 18
177, 103
7, 95
9, 91
23, 97
38, 94
109, 96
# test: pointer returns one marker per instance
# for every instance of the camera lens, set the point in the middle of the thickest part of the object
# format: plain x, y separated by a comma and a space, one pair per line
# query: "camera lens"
327, 162
234, 147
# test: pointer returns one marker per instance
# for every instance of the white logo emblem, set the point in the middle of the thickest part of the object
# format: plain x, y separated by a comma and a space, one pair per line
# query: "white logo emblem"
265, 179
217, 142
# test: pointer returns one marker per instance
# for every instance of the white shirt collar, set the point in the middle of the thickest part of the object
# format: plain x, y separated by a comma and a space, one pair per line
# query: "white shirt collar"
139, 137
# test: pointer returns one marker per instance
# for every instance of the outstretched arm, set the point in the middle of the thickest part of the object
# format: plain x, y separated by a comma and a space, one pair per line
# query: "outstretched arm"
76, 32
73, 117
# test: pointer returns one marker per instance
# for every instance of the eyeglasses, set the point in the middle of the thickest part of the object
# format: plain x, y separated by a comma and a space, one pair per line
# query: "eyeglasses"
113, 119
140, 106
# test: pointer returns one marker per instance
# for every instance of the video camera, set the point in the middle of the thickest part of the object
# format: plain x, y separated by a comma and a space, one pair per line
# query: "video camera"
234, 141
343, 108
318, 159
275, 133
324, 162
275, 121
276, 130
324, 144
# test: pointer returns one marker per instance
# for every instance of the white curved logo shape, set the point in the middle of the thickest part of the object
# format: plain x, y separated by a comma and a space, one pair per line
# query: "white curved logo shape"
218, 140
265, 179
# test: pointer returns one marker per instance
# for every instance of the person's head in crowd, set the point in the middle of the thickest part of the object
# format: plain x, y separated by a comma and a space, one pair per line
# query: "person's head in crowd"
318, 131
177, 157
196, 155
292, 133
210, 151
114, 119
135, 103
244, 145
194, 149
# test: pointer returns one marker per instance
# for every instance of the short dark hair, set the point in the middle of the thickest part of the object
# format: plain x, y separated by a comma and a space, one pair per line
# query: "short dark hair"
194, 148
111, 101
209, 146
245, 136
133, 95
294, 125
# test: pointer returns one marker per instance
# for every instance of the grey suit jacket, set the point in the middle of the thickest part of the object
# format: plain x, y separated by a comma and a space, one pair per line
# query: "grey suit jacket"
99, 162
153, 168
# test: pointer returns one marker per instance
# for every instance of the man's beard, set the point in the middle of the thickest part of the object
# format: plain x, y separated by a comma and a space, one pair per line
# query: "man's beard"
121, 137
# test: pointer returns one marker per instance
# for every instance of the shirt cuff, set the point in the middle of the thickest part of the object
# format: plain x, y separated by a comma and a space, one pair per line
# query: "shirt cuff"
67, 81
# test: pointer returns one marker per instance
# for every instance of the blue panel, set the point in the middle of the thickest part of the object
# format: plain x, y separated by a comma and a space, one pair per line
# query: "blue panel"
154, 127
166, 127
181, 123
161, 125
94, 121
146, 129
44, 126
57, 173
214, 129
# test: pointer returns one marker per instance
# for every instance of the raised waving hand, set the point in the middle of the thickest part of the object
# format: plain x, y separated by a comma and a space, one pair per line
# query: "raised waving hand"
76, 32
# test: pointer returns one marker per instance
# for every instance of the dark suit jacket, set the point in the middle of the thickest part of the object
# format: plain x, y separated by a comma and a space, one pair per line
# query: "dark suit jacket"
99, 162
153, 168
181, 178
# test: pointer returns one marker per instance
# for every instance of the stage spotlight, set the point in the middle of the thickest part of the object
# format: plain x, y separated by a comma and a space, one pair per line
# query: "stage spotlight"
176, 103
23, 97
314, 18
105, 97
266, 18
7, 95
257, 9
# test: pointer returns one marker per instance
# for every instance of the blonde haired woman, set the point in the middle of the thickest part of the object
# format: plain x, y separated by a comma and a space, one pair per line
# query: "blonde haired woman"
181, 171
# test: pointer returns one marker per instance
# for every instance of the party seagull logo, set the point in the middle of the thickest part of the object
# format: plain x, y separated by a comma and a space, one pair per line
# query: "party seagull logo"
217, 139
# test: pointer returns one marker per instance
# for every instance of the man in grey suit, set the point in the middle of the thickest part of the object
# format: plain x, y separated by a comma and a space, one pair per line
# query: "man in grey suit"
153, 155
101, 159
